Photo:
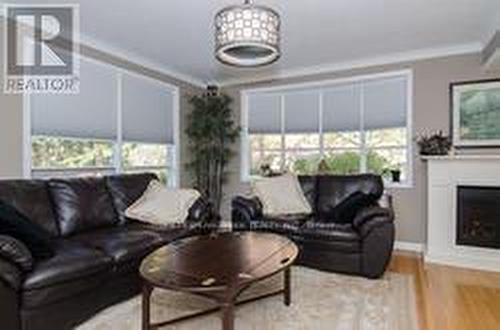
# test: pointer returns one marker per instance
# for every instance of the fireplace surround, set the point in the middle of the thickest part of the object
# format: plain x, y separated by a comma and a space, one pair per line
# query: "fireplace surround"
466, 186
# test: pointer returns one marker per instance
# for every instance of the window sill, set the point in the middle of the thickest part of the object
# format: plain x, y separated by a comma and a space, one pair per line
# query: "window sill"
401, 185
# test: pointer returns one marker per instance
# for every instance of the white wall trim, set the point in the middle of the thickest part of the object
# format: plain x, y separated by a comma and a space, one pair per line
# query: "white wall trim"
331, 82
464, 261
394, 58
409, 246
176, 179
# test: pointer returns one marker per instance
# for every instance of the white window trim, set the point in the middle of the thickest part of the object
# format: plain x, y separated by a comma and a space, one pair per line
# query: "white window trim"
245, 156
174, 179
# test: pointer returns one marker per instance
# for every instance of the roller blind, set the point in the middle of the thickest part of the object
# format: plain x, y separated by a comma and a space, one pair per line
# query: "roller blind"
385, 103
302, 111
341, 108
148, 111
90, 114
264, 113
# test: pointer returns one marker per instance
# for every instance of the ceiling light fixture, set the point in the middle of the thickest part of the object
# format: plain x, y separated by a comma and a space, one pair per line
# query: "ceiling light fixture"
247, 35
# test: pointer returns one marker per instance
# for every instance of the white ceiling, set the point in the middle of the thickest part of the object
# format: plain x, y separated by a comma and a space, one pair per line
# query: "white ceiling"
177, 35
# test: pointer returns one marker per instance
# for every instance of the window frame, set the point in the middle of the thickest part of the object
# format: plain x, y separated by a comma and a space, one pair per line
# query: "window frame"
246, 151
173, 168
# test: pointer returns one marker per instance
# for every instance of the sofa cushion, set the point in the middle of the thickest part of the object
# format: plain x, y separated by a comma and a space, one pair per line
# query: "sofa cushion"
71, 261
41, 297
82, 204
330, 236
126, 189
31, 198
271, 193
287, 224
166, 234
333, 189
163, 206
123, 243
345, 211
14, 223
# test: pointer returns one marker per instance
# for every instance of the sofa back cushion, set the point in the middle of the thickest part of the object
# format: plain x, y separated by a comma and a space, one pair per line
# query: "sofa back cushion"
82, 204
333, 189
32, 199
125, 189
16, 225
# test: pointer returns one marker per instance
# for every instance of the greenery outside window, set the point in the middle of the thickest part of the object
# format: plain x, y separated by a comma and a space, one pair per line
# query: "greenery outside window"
66, 157
143, 157
63, 157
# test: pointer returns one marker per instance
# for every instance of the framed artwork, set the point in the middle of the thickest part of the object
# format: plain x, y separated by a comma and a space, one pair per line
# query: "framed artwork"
475, 113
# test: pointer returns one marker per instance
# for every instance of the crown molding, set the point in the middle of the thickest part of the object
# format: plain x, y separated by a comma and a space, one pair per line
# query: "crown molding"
394, 58
141, 61
130, 56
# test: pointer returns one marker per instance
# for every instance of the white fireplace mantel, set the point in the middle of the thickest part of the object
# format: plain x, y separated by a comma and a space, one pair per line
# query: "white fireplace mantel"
444, 174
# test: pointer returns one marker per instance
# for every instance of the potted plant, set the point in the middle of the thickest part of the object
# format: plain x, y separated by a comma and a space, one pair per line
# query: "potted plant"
394, 172
211, 132
436, 144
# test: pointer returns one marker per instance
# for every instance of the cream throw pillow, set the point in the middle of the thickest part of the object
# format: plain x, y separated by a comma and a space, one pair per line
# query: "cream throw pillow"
162, 206
281, 195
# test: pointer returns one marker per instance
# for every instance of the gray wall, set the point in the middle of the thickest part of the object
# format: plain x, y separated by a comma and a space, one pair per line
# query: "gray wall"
430, 112
11, 128
11, 111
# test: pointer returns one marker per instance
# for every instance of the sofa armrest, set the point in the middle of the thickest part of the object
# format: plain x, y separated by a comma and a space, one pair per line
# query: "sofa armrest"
375, 225
16, 252
201, 216
10, 274
244, 210
370, 217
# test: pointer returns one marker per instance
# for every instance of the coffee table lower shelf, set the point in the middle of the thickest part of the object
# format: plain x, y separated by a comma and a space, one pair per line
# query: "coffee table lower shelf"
227, 308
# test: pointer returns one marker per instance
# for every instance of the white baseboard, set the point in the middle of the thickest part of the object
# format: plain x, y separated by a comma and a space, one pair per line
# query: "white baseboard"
409, 246
464, 261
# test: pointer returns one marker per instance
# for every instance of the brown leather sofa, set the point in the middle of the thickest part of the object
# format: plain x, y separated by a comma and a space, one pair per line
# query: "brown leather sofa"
362, 246
97, 249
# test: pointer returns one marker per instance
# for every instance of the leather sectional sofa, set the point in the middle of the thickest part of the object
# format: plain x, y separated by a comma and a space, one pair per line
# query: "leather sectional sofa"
362, 246
97, 249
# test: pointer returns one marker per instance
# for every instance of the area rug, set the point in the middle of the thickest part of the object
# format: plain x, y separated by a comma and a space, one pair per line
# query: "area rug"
319, 301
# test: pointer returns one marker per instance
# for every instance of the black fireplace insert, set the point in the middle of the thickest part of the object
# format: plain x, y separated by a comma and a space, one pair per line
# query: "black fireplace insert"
478, 216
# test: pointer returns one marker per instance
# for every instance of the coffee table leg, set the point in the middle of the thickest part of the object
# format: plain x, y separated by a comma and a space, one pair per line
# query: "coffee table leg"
228, 316
146, 303
287, 289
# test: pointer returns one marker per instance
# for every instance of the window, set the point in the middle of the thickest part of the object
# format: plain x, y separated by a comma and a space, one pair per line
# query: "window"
119, 122
360, 125
56, 156
140, 157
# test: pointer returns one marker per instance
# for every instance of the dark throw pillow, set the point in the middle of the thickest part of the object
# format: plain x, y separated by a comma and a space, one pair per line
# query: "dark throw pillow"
346, 210
16, 252
14, 223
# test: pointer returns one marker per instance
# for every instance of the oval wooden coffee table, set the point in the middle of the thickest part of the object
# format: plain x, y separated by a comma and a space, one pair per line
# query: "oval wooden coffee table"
220, 267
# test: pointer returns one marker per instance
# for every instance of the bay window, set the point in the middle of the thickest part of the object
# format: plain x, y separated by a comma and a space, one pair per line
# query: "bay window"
350, 126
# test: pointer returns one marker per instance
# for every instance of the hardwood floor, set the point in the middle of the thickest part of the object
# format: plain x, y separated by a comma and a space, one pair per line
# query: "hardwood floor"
450, 298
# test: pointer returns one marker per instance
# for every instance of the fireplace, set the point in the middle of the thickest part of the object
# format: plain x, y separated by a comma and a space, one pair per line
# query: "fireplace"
478, 216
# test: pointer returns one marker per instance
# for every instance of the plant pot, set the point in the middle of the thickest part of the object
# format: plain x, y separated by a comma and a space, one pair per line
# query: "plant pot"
396, 176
